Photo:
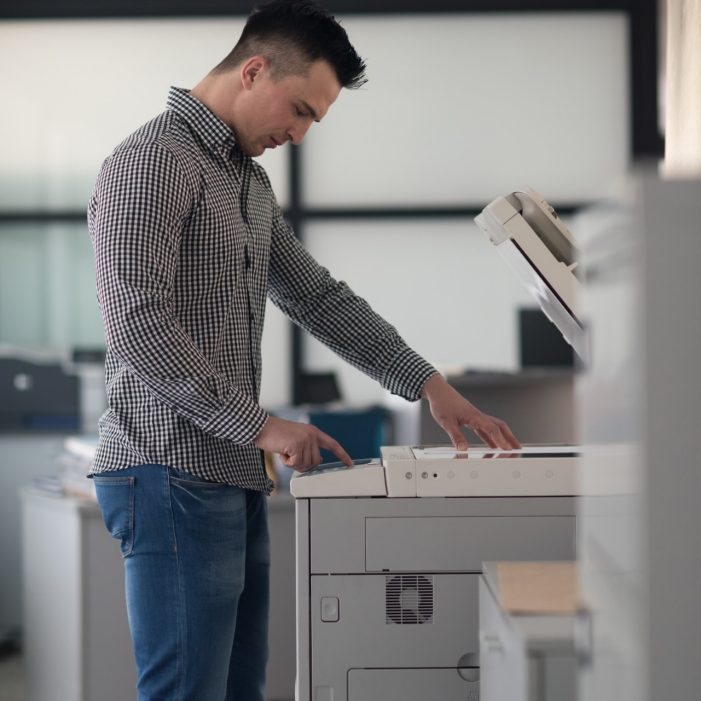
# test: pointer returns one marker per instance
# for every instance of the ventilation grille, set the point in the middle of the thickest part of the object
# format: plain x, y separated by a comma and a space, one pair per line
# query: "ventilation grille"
408, 599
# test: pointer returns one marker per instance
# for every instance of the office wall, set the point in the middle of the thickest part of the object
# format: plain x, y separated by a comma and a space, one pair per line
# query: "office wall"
47, 286
461, 108
458, 110
73, 90
440, 283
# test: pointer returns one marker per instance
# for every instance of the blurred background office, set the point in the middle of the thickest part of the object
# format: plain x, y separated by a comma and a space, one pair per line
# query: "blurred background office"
465, 101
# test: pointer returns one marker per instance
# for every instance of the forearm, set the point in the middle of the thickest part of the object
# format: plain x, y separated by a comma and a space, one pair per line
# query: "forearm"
341, 320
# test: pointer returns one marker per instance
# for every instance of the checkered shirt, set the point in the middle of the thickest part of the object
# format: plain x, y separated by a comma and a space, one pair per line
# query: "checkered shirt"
189, 241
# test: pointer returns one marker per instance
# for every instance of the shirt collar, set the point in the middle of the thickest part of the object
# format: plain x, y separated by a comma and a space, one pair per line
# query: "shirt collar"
216, 135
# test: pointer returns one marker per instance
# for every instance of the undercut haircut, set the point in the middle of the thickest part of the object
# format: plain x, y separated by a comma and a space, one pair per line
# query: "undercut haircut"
291, 34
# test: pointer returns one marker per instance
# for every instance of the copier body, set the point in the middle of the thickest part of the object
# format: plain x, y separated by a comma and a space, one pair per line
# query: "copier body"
387, 588
388, 557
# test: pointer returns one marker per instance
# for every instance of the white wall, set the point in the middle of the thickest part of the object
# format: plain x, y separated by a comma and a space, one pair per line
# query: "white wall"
440, 283
75, 89
458, 109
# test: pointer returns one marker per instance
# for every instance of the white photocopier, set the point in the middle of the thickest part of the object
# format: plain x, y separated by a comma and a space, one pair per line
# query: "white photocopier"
389, 552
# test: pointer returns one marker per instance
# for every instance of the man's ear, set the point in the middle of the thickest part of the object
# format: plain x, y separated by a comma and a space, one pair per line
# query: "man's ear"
252, 70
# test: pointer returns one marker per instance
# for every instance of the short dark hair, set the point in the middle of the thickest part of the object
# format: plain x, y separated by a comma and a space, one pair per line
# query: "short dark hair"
291, 34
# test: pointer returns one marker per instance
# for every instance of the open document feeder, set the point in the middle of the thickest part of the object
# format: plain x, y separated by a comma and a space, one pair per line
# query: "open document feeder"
439, 471
536, 244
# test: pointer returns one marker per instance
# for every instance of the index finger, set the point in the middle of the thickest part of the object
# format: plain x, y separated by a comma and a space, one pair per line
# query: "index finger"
325, 441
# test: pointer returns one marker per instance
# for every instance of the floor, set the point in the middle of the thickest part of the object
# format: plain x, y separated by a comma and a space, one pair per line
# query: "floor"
12, 687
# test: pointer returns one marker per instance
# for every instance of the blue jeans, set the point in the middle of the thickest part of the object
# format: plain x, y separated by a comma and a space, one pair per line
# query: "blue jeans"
196, 562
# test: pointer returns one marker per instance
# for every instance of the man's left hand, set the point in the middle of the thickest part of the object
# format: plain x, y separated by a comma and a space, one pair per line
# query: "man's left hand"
452, 411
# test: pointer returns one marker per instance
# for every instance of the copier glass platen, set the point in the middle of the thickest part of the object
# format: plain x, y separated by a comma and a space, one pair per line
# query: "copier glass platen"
537, 245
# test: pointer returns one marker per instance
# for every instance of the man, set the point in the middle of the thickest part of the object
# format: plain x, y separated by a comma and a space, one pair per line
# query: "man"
188, 242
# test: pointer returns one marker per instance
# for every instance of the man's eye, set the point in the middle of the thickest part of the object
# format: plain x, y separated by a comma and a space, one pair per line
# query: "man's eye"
299, 112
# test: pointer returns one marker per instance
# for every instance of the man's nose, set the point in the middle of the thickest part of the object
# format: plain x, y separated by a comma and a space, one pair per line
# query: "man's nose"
298, 131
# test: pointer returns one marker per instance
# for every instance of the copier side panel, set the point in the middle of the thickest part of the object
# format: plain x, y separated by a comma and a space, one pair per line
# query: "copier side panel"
339, 530
411, 685
303, 634
463, 543
354, 650
370, 630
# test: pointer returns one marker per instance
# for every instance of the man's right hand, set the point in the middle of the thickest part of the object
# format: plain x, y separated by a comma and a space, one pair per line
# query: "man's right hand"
299, 445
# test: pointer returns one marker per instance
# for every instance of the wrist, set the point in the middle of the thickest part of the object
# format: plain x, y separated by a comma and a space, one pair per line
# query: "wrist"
431, 385
263, 429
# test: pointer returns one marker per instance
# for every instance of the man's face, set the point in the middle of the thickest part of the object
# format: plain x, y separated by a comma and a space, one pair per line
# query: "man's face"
272, 112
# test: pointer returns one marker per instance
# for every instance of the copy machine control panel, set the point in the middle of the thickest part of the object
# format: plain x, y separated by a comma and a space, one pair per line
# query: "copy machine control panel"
441, 471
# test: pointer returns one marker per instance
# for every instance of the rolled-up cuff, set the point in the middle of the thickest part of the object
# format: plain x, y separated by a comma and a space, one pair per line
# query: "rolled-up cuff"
240, 421
407, 375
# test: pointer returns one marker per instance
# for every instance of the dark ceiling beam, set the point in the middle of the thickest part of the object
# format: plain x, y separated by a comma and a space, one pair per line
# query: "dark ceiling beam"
106, 9
646, 141
296, 214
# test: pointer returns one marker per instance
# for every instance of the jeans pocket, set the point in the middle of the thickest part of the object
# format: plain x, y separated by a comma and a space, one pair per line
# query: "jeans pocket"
115, 496
187, 479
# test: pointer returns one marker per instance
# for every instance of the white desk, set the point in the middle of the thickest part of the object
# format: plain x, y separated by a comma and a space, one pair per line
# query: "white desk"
76, 636
523, 657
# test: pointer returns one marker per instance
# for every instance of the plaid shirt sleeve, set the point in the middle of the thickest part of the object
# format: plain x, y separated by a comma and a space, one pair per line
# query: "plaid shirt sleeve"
145, 197
340, 319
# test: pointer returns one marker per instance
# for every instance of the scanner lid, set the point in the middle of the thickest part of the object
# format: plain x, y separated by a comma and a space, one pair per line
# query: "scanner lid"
537, 245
